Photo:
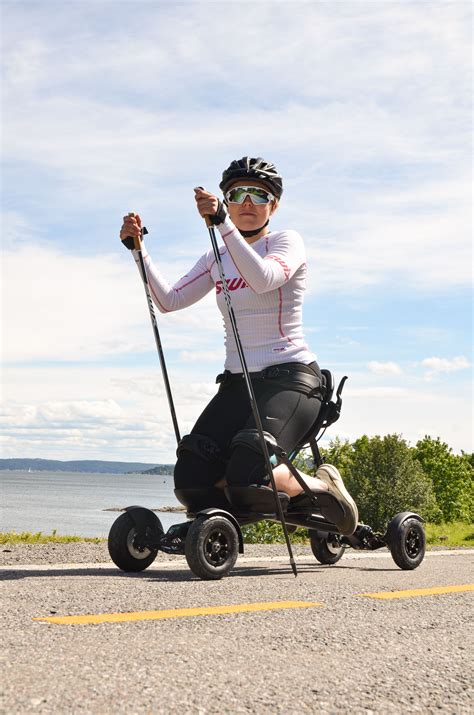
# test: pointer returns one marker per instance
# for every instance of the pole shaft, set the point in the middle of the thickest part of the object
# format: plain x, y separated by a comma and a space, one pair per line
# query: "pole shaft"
158, 345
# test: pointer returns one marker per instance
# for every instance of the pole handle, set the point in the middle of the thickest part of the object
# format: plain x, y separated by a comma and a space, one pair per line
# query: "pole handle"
207, 219
137, 242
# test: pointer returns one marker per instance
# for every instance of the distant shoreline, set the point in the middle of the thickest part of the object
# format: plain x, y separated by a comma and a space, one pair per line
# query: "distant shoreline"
85, 471
90, 466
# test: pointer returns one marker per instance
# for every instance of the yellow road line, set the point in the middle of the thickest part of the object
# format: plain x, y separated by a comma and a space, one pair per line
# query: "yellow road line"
434, 591
177, 612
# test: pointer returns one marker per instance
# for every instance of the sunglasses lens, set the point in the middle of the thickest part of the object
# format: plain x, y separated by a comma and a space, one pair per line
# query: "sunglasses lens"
237, 196
257, 196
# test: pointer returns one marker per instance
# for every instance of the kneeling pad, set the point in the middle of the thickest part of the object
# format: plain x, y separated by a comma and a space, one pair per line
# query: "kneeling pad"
251, 438
256, 498
200, 498
323, 503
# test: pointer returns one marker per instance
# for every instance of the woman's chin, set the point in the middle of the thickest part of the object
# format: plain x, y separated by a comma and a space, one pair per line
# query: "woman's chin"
247, 225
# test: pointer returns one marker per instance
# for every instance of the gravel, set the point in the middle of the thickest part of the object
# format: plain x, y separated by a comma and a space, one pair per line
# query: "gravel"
81, 552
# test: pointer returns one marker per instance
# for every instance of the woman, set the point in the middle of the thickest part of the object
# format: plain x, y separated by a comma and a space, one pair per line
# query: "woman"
266, 274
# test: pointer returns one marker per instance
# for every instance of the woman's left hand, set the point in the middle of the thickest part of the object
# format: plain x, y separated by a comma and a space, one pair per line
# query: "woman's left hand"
207, 203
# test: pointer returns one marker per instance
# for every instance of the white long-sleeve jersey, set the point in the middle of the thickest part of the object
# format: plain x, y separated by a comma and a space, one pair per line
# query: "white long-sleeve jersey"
267, 280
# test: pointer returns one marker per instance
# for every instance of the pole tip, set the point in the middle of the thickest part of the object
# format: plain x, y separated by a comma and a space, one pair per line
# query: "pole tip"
293, 566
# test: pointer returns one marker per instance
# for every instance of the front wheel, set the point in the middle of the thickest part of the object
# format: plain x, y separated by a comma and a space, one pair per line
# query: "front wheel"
127, 545
327, 550
407, 544
211, 547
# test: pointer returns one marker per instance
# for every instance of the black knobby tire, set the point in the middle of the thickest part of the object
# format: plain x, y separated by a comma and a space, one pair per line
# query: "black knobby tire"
211, 547
327, 550
408, 544
125, 548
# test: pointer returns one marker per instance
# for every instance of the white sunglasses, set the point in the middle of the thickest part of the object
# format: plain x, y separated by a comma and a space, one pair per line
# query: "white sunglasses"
258, 196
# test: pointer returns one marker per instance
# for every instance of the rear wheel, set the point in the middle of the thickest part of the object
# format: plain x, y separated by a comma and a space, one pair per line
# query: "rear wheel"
212, 547
127, 545
407, 544
326, 549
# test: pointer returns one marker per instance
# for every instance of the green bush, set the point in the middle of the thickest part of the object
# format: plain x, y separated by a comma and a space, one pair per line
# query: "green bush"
451, 476
385, 475
269, 532
469, 457
340, 454
384, 478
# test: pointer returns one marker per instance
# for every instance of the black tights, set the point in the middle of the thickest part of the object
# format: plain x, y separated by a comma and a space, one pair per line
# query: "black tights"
286, 411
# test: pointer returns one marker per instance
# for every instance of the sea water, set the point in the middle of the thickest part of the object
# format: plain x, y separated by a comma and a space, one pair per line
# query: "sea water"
78, 503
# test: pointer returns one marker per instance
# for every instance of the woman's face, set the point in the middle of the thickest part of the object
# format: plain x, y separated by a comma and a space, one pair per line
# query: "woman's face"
248, 216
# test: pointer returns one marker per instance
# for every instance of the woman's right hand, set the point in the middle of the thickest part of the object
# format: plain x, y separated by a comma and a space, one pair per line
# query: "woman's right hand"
131, 229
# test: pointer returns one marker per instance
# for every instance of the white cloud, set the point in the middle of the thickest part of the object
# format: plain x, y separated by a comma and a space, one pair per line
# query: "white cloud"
200, 356
384, 368
379, 391
85, 123
437, 366
105, 412
54, 412
401, 40
424, 333
411, 409
358, 159
66, 307
99, 411
63, 307
370, 244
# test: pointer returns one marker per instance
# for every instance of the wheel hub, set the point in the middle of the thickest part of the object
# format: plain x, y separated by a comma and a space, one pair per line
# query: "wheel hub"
412, 543
135, 545
217, 548
333, 544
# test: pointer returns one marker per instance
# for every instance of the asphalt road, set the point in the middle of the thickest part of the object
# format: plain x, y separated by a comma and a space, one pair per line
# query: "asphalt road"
351, 654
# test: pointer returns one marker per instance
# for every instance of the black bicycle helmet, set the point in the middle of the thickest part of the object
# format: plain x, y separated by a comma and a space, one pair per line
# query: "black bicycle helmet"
253, 168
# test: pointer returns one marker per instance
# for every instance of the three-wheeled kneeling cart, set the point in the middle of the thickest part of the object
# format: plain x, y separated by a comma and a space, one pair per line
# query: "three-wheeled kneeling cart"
211, 539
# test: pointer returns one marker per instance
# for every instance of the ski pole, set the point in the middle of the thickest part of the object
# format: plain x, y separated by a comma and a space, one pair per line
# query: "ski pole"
248, 382
138, 249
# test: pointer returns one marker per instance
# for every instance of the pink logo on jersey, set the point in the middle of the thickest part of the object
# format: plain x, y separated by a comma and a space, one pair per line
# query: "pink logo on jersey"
232, 284
282, 263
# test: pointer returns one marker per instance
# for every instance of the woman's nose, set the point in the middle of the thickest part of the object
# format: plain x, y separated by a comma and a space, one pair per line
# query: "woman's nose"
248, 200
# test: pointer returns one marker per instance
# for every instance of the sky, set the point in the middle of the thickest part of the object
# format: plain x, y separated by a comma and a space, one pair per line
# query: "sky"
111, 107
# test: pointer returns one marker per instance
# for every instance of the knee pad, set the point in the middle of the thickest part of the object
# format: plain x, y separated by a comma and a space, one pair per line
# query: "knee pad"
250, 438
201, 446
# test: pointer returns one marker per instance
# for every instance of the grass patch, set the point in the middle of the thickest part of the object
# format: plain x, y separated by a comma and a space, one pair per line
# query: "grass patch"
263, 532
28, 537
458, 533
